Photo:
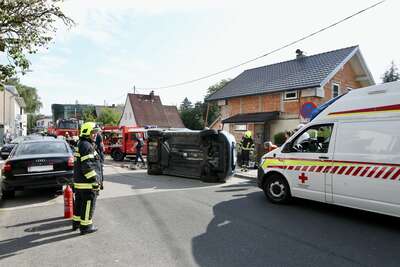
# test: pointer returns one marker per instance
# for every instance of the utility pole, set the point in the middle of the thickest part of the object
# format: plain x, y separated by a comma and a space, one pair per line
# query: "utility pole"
206, 119
134, 89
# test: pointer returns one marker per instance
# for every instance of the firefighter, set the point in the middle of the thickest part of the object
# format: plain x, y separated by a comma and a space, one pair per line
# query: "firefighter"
247, 147
87, 179
139, 146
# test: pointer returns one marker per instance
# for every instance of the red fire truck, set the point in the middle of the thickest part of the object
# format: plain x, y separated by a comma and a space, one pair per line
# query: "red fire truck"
119, 142
63, 126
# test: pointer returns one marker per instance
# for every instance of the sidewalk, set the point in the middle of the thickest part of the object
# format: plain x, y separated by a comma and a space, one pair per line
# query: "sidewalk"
252, 174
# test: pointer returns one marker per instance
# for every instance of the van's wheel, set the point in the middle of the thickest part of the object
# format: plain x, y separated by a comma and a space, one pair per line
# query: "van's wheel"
277, 189
7, 194
118, 155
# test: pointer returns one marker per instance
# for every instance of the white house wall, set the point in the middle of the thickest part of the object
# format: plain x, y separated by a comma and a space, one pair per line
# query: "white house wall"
127, 118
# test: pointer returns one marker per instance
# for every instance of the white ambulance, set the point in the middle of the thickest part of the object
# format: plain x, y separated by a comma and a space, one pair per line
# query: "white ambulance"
348, 155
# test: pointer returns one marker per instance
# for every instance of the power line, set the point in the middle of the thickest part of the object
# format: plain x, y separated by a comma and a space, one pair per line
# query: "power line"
266, 54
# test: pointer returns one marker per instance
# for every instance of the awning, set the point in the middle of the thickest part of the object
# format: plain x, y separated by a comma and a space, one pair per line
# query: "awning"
252, 117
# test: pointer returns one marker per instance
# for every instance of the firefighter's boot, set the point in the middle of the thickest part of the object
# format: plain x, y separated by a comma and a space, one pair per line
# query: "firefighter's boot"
75, 225
88, 230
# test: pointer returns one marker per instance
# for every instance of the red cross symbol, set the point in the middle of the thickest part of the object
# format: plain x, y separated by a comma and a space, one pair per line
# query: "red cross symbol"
303, 178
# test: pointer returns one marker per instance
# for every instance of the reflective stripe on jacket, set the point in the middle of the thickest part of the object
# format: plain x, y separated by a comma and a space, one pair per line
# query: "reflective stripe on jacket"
246, 143
87, 167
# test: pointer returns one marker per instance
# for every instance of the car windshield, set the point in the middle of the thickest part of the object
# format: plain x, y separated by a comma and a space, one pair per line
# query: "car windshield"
35, 148
67, 125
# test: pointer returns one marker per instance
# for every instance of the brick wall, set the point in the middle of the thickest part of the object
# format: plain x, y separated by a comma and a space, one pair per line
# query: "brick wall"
234, 106
271, 102
345, 78
250, 104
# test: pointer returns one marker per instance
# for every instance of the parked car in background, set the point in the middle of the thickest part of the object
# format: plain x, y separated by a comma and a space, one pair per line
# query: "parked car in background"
7, 148
37, 163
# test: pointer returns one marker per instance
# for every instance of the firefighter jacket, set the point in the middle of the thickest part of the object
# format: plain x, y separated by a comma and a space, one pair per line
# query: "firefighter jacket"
247, 144
87, 167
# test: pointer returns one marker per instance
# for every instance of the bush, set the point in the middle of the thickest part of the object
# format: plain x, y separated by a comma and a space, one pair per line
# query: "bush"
279, 139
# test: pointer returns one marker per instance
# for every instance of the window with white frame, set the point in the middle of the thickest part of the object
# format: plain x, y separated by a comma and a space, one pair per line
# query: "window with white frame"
290, 95
240, 127
335, 90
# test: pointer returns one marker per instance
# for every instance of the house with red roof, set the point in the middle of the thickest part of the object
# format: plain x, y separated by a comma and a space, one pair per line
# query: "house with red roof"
147, 111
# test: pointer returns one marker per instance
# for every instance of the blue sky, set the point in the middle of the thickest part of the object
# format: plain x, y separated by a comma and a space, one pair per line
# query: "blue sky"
118, 44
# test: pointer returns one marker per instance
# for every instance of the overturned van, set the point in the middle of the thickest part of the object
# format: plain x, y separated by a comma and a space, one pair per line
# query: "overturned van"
208, 155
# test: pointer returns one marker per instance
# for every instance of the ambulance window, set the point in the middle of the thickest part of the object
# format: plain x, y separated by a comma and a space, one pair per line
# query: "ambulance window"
314, 139
378, 138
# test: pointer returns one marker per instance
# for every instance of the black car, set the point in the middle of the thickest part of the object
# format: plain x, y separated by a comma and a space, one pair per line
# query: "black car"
7, 148
38, 163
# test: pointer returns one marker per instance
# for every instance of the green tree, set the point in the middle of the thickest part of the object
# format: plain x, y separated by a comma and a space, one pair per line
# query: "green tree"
25, 26
88, 114
32, 119
29, 94
186, 104
213, 109
392, 74
192, 115
109, 116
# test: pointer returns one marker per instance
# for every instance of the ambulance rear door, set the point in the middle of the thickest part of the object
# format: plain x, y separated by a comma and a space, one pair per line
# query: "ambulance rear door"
308, 160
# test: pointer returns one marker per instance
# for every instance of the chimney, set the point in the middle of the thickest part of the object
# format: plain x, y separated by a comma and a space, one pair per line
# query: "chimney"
300, 54
152, 96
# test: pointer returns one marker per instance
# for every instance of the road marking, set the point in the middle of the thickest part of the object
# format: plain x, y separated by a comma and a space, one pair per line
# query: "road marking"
224, 223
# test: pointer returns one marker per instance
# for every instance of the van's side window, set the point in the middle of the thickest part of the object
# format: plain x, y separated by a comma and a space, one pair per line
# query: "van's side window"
366, 138
314, 139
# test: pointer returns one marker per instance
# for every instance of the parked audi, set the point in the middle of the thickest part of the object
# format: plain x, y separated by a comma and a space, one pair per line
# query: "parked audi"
38, 163
7, 148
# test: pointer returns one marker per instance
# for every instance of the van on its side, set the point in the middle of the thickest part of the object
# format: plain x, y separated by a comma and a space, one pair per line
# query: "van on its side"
348, 155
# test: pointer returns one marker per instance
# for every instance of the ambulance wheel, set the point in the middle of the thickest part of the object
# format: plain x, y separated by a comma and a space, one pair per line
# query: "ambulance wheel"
277, 189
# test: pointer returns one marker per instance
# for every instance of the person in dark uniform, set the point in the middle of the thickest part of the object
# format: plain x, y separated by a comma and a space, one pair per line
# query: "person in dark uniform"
247, 146
100, 145
87, 179
139, 146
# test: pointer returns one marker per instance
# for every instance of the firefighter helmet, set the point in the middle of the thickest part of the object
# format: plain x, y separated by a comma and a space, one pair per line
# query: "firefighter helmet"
247, 134
87, 128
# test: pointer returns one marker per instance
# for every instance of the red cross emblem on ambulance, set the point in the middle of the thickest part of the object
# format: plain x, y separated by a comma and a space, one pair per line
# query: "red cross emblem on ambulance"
303, 178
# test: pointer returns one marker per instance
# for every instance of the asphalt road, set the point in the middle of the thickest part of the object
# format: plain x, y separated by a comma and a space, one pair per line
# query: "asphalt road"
167, 221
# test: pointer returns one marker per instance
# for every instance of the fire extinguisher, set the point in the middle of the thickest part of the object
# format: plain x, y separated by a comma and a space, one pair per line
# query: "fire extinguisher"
68, 202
